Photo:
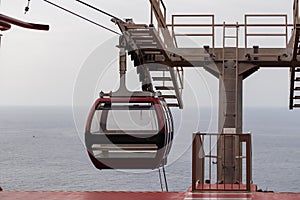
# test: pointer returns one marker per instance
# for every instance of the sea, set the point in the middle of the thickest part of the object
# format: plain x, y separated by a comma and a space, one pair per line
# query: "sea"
42, 149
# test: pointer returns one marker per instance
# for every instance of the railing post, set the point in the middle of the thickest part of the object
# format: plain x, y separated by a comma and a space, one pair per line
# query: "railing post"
198, 156
249, 162
296, 13
151, 15
194, 166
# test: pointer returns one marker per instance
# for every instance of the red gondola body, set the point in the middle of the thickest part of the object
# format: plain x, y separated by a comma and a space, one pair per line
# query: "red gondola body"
145, 147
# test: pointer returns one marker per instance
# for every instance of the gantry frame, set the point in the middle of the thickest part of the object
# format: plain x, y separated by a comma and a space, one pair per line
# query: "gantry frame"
154, 48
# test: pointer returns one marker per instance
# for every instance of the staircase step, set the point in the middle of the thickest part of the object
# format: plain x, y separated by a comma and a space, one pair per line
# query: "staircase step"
161, 78
296, 97
144, 46
297, 88
139, 31
164, 88
158, 69
152, 52
297, 79
136, 26
172, 104
145, 42
169, 96
149, 38
297, 70
140, 34
296, 106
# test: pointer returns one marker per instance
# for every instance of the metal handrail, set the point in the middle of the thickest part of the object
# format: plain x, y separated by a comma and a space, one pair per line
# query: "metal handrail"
246, 25
296, 12
212, 25
221, 25
155, 5
292, 85
286, 25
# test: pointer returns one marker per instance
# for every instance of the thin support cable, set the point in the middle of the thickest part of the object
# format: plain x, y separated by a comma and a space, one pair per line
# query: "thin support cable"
77, 15
165, 177
161, 184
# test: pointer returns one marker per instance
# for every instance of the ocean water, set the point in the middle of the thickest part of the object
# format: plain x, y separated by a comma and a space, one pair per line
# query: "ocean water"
41, 149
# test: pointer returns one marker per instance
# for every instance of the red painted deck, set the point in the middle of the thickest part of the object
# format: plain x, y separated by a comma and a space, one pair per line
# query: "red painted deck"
15, 195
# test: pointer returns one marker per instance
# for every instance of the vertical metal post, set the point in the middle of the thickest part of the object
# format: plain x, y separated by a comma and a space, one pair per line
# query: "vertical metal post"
151, 15
194, 163
122, 69
165, 11
292, 85
173, 30
224, 36
286, 32
249, 163
213, 32
198, 156
210, 162
246, 34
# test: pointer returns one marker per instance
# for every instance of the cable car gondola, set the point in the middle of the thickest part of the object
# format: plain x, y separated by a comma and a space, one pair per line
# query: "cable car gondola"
129, 132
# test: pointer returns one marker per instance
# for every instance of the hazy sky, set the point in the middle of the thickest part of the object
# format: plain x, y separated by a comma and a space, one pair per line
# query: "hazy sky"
40, 68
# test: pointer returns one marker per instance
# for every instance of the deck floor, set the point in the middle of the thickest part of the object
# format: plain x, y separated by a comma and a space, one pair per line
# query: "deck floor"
28, 195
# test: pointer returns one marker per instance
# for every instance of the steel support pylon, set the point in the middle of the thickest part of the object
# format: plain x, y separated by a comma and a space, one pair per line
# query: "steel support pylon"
230, 122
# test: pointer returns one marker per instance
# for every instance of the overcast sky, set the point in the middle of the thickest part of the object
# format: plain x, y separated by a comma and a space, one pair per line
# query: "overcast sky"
40, 68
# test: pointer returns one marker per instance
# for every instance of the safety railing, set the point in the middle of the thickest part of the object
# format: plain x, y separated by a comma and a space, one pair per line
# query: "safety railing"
210, 152
210, 25
296, 13
284, 25
180, 78
159, 11
248, 27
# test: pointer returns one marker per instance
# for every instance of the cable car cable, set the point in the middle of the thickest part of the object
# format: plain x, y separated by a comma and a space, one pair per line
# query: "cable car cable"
84, 18
110, 15
102, 11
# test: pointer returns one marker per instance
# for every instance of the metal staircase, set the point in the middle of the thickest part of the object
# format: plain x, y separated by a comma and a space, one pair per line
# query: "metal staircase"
295, 70
295, 88
145, 47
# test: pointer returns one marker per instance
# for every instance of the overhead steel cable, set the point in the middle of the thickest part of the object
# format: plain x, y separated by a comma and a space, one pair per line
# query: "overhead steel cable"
84, 18
99, 10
